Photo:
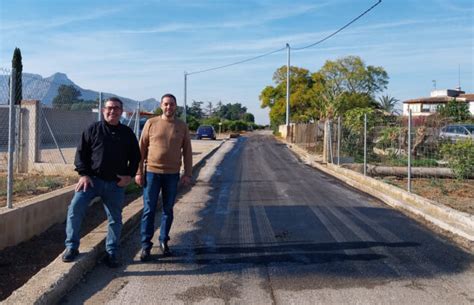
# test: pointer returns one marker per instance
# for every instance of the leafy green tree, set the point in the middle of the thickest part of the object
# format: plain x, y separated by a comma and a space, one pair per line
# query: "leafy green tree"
248, 117
67, 95
18, 66
301, 96
337, 87
209, 109
213, 121
350, 74
83, 106
456, 110
460, 157
238, 125
353, 130
347, 83
230, 111
195, 110
354, 119
192, 122
217, 109
388, 104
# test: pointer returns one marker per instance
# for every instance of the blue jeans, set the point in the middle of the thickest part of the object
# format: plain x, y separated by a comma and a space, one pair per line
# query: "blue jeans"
112, 196
168, 184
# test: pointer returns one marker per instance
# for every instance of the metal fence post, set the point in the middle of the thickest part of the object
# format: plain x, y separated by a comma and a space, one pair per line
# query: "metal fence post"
365, 144
16, 132
137, 122
330, 141
11, 139
338, 140
409, 152
100, 107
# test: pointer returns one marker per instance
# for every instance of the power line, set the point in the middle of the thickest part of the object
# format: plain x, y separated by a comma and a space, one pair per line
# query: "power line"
236, 63
281, 49
340, 29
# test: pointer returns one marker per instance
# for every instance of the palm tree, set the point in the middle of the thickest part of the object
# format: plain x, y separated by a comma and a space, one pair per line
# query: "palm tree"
388, 104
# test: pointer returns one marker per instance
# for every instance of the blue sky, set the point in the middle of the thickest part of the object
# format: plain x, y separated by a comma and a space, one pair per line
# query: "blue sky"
140, 49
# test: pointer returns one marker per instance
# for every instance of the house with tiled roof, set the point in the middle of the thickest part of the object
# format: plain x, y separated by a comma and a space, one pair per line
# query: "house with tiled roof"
424, 106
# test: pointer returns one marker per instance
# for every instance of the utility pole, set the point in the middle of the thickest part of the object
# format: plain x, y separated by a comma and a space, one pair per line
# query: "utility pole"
185, 92
288, 86
459, 77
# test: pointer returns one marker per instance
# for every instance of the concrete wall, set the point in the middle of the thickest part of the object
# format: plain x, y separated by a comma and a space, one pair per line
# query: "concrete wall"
25, 221
3, 128
287, 132
66, 126
283, 130
29, 136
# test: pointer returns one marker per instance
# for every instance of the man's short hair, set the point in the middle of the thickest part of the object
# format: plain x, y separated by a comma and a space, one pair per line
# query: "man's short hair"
114, 99
170, 96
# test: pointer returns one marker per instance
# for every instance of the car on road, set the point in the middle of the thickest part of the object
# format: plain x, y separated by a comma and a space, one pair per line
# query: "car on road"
455, 132
206, 131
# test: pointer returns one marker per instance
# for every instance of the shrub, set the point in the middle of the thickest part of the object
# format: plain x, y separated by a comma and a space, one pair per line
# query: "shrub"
238, 126
460, 157
388, 137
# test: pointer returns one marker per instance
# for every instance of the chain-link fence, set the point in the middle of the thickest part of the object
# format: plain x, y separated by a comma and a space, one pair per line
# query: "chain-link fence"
427, 155
45, 135
4, 130
60, 132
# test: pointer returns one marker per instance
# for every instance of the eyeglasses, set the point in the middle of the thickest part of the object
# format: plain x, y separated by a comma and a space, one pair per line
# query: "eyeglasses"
110, 108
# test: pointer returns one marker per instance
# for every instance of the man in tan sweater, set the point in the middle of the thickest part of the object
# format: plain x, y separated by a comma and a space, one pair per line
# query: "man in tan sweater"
164, 142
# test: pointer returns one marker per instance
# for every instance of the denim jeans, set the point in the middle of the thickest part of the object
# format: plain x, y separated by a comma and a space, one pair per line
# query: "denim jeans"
112, 196
168, 184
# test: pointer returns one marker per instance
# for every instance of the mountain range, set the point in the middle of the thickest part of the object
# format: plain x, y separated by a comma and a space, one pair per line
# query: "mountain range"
45, 89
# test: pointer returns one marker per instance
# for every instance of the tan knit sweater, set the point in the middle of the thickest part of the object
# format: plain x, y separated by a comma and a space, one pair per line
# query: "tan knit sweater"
162, 145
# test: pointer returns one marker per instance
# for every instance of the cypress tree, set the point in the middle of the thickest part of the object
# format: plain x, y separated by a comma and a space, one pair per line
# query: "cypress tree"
18, 66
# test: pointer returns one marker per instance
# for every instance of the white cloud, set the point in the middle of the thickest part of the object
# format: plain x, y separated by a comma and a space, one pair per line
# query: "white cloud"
247, 20
54, 22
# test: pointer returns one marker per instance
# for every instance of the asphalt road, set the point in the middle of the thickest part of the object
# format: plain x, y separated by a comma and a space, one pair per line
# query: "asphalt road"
260, 227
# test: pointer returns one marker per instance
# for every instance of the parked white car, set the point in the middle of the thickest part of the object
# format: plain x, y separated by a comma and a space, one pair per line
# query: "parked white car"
457, 132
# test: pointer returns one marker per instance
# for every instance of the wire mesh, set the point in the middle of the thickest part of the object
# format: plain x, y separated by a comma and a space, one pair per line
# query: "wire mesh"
442, 152
4, 130
60, 132
46, 138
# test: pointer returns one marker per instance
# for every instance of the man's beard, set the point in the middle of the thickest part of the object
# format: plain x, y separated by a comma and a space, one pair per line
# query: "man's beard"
169, 114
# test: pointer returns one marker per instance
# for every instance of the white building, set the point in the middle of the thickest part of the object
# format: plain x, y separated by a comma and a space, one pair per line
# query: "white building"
428, 105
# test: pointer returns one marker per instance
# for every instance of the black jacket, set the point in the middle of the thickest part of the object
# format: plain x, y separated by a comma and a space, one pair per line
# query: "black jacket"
106, 151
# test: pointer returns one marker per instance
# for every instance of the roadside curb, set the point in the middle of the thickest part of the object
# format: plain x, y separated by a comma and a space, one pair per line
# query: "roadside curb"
52, 282
458, 223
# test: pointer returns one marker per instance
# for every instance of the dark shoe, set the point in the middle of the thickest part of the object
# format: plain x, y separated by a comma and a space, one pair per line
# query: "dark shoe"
111, 261
145, 255
70, 255
164, 248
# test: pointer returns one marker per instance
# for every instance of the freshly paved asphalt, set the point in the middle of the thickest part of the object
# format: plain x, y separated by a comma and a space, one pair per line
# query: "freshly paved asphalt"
260, 227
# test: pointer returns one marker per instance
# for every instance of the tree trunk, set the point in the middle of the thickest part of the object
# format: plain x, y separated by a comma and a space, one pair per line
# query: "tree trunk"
325, 142
426, 172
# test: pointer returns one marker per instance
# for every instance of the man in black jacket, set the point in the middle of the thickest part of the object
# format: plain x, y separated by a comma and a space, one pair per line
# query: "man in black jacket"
106, 159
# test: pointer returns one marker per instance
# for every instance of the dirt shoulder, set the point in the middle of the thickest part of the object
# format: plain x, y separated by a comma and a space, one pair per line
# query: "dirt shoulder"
458, 195
27, 186
19, 263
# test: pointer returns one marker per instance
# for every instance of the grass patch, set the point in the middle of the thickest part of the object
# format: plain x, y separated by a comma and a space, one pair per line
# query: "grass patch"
133, 188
